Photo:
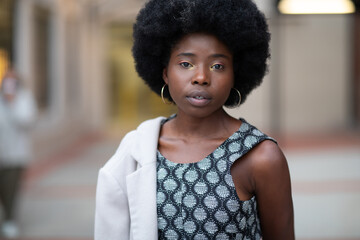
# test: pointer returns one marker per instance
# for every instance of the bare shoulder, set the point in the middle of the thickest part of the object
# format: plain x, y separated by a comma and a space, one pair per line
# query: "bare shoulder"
268, 152
267, 158
272, 185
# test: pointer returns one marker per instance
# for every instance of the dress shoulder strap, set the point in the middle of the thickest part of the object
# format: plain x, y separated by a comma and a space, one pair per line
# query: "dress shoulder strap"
242, 141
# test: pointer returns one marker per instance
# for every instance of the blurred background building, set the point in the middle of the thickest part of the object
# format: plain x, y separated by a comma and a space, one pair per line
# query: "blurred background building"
76, 57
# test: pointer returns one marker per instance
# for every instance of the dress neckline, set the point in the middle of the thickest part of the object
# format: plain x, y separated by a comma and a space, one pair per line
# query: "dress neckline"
243, 127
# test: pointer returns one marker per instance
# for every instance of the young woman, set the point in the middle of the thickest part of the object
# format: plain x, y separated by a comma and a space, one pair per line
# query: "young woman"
199, 174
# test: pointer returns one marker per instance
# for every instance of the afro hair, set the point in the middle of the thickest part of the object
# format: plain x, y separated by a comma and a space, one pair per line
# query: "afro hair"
237, 23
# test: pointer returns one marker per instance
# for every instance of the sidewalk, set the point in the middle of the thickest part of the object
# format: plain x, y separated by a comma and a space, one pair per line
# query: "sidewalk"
58, 198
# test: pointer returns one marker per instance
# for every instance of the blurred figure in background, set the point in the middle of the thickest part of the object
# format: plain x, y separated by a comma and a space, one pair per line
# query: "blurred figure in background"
17, 115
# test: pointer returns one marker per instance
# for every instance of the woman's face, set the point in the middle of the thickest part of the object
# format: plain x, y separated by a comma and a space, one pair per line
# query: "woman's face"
199, 74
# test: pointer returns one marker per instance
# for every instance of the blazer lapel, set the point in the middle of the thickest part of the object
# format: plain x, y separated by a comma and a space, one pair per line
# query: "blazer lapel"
141, 187
141, 184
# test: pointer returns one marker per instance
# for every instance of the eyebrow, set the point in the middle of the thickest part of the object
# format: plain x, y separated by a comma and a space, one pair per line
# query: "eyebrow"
215, 55
186, 54
219, 55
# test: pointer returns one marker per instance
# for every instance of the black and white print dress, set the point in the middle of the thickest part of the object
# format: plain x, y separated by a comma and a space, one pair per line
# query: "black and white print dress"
199, 201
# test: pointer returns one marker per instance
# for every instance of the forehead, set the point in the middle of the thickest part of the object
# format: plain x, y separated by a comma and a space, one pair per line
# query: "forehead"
201, 43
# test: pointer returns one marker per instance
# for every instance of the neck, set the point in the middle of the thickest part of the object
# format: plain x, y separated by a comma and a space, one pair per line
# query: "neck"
218, 124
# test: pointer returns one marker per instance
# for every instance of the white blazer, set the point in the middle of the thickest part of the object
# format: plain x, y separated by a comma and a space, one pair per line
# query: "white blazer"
126, 189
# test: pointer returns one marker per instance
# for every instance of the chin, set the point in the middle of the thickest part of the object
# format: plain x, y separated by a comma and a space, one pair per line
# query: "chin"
201, 112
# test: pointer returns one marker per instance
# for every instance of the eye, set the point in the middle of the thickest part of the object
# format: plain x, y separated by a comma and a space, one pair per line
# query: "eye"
217, 67
186, 64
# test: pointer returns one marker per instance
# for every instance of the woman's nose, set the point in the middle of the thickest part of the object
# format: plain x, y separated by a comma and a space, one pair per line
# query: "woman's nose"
201, 77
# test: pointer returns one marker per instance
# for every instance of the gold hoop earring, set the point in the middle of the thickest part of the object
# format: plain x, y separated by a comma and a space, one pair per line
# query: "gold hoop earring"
162, 95
239, 101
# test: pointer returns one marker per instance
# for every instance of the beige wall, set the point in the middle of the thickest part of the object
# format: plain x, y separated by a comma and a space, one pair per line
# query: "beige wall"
311, 65
315, 72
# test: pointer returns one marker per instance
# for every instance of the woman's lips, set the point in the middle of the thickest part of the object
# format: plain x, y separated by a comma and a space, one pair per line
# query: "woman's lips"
199, 98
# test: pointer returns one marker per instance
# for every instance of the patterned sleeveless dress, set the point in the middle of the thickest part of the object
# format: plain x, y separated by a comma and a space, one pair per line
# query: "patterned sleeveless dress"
199, 201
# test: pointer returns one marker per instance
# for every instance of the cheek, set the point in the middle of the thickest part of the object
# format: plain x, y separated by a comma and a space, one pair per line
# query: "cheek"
174, 85
225, 81
226, 86
227, 93
178, 79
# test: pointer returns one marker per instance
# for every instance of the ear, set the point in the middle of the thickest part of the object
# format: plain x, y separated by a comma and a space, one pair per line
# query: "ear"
164, 75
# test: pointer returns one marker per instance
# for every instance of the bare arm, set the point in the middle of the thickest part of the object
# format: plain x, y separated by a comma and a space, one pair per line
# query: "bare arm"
273, 192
